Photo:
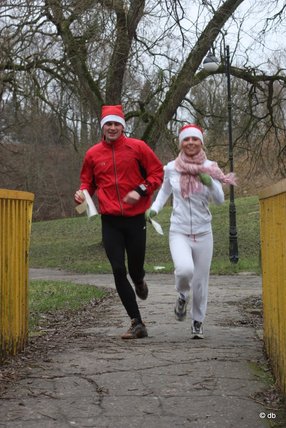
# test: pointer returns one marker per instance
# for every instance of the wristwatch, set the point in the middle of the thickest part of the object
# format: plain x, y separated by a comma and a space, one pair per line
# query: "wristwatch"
141, 189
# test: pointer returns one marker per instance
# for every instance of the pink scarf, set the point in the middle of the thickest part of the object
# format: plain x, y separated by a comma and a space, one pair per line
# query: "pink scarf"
190, 167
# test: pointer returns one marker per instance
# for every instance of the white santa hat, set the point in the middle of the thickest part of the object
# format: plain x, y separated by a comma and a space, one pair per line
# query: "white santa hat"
190, 131
112, 114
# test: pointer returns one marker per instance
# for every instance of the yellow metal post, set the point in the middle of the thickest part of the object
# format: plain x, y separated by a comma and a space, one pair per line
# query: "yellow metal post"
273, 251
15, 229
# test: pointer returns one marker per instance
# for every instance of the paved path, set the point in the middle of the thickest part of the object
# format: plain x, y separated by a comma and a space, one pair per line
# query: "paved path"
164, 381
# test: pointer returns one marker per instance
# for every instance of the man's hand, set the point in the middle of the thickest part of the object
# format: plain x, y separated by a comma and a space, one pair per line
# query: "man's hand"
132, 197
79, 196
149, 214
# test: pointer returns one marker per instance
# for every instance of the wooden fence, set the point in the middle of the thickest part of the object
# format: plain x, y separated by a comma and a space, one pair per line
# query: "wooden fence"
15, 228
273, 252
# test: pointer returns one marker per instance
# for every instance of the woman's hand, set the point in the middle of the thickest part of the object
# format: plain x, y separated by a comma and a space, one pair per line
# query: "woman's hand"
149, 214
205, 179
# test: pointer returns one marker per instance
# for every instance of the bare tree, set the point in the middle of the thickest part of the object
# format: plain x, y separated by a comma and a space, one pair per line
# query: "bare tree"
79, 55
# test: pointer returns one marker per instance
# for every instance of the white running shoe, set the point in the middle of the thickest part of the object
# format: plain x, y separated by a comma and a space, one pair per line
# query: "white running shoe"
197, 330
180, 309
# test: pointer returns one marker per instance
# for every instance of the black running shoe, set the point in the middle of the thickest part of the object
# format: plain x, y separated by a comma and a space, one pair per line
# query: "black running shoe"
141, 290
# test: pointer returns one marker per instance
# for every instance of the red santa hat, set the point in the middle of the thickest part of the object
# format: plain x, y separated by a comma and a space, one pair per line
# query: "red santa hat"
190, 131
112, 114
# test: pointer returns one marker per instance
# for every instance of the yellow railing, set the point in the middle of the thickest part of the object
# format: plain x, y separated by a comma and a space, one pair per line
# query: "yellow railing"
15, 229
273, 253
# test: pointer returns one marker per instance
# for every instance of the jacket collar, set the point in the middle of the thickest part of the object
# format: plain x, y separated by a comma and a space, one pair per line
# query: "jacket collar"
115, 143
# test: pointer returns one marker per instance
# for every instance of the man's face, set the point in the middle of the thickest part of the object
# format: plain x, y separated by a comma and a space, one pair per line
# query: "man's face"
112, 131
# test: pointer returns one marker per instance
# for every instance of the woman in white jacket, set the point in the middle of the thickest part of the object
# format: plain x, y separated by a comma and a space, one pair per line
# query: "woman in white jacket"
194, 181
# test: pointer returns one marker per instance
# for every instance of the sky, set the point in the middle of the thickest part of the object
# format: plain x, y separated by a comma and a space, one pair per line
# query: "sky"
254, 48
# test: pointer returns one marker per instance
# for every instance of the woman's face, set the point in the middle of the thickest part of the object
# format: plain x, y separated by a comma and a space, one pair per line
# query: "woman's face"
191, 146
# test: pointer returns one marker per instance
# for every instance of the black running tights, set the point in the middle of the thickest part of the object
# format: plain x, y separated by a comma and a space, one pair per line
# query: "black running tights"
125, 236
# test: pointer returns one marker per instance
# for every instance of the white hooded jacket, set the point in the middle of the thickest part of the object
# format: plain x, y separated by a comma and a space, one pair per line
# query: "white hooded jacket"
190, 215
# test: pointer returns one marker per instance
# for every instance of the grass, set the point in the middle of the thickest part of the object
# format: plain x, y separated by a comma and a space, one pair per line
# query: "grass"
74, 244
48, 297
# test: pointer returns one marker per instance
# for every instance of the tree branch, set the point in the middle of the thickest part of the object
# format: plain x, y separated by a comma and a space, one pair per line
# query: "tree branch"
77, 55
126, 26
184, 79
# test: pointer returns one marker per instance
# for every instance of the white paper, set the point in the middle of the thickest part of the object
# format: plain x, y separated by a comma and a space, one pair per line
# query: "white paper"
87, 205
157, 227
81, 208
90, 209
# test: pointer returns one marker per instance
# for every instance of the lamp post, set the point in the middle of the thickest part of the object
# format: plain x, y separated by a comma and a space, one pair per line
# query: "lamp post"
210, 64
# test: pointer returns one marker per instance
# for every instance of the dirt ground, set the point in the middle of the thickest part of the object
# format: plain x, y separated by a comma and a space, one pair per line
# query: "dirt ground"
60, 330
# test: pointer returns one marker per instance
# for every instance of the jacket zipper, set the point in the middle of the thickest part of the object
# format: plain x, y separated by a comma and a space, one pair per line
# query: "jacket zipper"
116, 182
190, 210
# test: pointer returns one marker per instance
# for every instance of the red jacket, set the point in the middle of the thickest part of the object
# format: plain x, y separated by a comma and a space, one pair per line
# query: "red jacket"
113, 170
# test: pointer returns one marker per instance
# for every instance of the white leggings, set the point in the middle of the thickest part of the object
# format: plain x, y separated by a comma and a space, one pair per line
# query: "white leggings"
192, 256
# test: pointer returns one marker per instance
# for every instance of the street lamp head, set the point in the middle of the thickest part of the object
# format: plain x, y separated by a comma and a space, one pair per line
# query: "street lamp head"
210, 63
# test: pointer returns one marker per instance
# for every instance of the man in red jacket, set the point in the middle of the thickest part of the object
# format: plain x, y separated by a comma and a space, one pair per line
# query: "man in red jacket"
123, 173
